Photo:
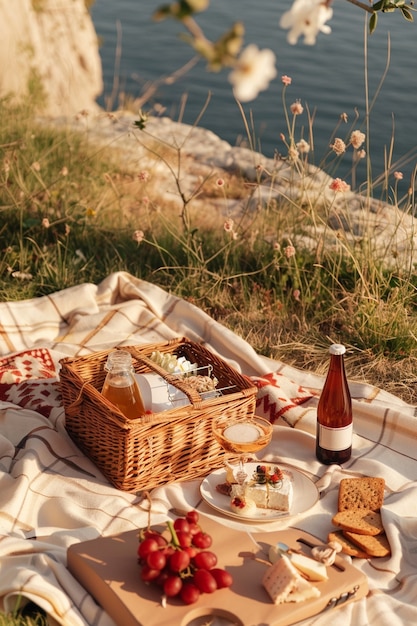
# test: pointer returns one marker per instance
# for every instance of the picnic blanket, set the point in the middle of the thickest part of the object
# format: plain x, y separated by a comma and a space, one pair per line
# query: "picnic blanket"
51, 495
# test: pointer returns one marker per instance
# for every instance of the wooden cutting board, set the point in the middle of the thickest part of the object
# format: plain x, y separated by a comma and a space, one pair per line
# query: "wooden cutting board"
108, 569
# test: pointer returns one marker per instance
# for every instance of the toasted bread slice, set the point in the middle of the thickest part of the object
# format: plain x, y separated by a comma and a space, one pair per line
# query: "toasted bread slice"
360, 521
373, 546
347, 546
361, 493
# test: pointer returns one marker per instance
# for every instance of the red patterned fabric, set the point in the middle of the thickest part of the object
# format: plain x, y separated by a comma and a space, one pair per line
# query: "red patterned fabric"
36, 363
26, 381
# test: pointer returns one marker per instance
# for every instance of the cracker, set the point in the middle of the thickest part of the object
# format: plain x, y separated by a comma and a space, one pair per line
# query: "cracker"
373, 546
360, 521
361, 493
347, 546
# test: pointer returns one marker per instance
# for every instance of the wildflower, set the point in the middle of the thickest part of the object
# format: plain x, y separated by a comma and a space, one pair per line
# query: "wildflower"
296, 108
138, 236
220, 182
293, 153
344, 117
339, 146
339, 185
91, 212
45, 223
22, 275
276, 246
253, 72
286, 80
303, 146
308, 18
357, 138
289, 251
64, 171
80, 256
36, 166
398, 175
361, 154
143, 176
228, 225
296, 294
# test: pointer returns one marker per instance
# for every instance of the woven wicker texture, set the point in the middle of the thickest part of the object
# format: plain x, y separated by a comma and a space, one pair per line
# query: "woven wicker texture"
159, 448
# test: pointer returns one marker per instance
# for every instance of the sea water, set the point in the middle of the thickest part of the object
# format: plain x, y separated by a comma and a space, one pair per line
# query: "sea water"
330, 78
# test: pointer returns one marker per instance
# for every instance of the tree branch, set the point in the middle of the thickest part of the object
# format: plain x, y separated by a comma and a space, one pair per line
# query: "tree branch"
362, 5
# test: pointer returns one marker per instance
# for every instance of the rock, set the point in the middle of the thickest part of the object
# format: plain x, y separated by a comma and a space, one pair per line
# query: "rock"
342, 220
49, 48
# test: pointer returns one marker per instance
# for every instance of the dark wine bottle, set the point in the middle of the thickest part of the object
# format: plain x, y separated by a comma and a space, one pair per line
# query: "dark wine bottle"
334, 413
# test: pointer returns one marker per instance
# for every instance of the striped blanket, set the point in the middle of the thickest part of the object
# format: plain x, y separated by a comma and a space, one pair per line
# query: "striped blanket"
52, 496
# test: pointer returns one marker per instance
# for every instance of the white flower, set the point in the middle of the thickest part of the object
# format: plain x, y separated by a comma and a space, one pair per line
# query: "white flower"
308, 18
254, 70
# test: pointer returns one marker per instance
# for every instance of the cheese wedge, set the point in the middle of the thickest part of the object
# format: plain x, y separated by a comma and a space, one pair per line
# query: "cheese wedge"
312, 569
284, 584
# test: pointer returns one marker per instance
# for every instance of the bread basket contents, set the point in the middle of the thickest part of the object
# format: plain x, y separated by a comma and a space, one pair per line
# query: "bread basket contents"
360, 530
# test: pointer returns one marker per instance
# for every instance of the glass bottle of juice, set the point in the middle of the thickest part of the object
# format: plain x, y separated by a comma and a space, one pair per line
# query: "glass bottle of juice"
120, 387
334, 413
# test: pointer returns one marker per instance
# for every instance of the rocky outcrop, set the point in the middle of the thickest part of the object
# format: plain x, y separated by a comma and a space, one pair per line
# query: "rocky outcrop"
348, 220
49, 53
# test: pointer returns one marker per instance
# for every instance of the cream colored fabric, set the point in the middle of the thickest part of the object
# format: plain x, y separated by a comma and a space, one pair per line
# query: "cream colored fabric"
51, 495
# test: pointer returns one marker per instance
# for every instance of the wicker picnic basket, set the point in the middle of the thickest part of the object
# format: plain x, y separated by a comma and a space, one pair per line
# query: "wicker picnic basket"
171, 445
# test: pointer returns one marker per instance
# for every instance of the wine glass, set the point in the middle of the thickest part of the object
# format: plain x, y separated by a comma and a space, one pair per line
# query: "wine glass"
242, 436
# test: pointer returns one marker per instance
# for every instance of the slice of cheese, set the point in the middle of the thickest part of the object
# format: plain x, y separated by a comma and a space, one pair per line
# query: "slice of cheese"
312, 569
284, 584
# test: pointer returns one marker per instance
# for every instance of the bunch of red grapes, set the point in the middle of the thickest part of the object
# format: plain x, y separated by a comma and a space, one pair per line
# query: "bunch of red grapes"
181, 565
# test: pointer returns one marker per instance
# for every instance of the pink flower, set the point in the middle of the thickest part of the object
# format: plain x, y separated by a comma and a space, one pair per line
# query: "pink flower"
143, 175
398, 175
357, 138
303, 146
289, 251
296, 108
228, 225
339, 185
286, 80
220, 182
138, 236
339, 146
296, 294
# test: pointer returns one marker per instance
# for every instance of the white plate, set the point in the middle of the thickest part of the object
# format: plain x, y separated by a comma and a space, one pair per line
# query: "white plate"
305, 494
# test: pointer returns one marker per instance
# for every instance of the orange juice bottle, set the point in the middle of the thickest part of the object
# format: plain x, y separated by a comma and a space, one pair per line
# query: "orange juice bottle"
120, 387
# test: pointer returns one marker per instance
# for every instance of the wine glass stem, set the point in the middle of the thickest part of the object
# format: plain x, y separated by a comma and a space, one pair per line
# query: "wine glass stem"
241, 474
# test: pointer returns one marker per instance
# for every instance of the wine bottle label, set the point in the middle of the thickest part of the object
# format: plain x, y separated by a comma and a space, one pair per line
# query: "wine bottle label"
335, 439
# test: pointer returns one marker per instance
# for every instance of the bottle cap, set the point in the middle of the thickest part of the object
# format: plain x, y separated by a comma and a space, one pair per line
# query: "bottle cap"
337, 349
